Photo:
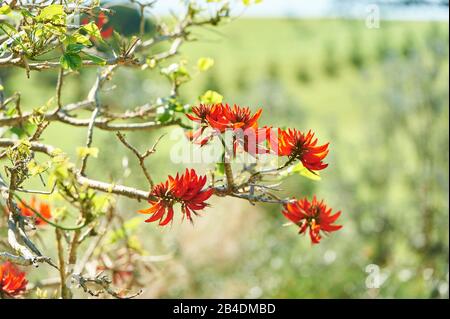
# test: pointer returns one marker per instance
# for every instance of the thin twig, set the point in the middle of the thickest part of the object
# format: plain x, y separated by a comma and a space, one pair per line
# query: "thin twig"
141, 157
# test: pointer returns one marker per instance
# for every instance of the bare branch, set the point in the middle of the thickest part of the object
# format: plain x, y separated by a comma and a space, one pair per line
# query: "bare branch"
105, 286
141, 157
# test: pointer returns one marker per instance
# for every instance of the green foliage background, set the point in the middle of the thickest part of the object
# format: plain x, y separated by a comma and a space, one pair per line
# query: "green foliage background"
380, 96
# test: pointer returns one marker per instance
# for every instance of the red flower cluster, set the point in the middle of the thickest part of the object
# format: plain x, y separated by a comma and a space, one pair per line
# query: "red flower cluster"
203, 114
185, 189
12, 281
314, 215
291, 142
42, 208
301, 146
239, 120
222, 117
234, 118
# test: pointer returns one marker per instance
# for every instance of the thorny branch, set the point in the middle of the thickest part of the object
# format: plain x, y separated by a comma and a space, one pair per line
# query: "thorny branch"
105, 286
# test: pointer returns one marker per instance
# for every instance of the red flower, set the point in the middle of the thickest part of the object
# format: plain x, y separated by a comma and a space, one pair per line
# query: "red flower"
234, 118
297, 145
201, 115
185, 189
12, 281
239, 120
42, 208
203, 111
314, 215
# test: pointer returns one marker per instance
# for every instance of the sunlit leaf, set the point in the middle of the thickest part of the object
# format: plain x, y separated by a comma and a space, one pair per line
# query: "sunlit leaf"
211, 97
92, 29
301, 170
51, 13
5, 9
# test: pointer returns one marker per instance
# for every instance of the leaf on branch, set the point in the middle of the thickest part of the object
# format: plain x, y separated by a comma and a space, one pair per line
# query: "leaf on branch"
78, 38
11, 110
301, 170
74, 48
35, 169
71, 61
5, 9
92, 29
61, 166
25, 130
94, 58
52, 12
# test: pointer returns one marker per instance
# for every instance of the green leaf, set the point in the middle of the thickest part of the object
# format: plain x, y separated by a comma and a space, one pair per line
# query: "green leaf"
75, 48
51, 13
25, 13
5, 9
211, 97
11, 110
301, 170
92, 29
94, 58
71, 61
205, 64
23, 131
79, 38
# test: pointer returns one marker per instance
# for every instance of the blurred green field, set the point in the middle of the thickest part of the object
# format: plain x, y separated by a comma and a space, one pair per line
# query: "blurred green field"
380, 96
